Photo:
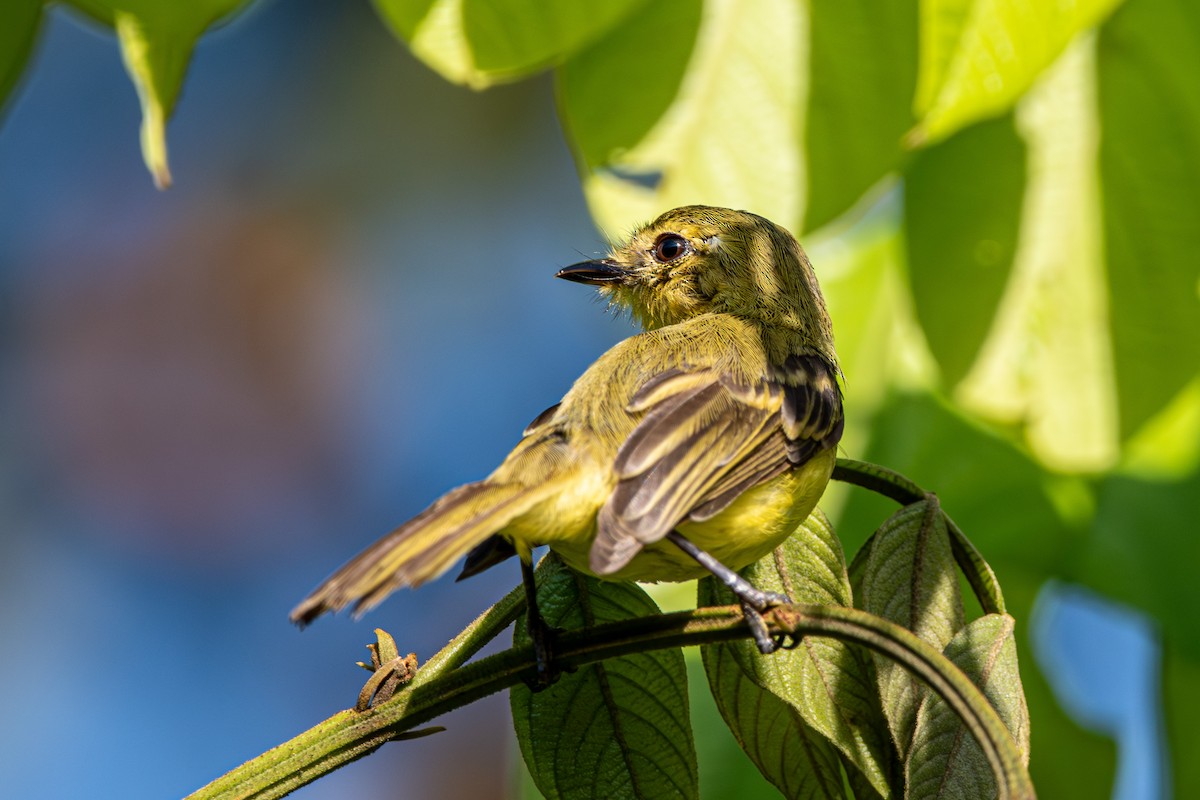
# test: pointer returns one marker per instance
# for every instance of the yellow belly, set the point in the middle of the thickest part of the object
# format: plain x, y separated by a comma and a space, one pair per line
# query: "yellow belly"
753, 525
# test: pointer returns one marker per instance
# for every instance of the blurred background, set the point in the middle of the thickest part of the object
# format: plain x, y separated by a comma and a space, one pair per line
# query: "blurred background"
213, 396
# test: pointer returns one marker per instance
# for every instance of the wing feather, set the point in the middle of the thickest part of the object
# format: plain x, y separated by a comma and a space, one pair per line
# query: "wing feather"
707, 438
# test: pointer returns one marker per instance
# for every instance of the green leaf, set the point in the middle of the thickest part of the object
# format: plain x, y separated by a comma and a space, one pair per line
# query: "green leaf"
480, 43
725, 769
945, 761
1149, 106
800, 762
22, 22
863, 71
516, 37
826, 682
156, 44
732, 137
618, 728
962, 215
1047, 364
611, 93
911, 579
979, 57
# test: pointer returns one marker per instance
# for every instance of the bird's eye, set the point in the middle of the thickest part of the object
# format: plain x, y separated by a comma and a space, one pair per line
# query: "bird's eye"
669, 247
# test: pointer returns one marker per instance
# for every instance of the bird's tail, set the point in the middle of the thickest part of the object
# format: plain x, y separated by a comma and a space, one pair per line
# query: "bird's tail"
421, 549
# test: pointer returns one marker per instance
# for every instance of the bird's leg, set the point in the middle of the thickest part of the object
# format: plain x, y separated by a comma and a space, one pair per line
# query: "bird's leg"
540, 633
753, 600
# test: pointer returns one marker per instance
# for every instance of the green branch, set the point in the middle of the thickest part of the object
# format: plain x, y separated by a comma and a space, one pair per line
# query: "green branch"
443, 685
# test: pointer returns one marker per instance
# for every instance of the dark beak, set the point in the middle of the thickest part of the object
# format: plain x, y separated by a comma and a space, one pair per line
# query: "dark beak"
598, 273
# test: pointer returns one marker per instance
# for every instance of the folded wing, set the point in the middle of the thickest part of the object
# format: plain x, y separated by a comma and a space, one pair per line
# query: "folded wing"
704, 440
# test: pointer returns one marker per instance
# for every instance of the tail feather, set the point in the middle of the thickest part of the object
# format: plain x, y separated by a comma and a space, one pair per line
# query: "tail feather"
421, 549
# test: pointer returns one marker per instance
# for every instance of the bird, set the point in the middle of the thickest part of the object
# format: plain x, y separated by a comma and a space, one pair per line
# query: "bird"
693, 447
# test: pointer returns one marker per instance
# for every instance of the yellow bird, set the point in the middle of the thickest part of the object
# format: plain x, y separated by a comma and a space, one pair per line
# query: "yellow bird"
697, 446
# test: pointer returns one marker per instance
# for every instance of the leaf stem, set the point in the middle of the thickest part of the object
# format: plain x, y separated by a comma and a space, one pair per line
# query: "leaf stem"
895, 486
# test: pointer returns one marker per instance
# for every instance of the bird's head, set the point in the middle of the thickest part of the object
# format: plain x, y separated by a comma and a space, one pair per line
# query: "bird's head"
700, 259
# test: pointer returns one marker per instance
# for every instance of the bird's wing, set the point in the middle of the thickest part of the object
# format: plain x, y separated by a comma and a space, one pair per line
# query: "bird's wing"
706, 438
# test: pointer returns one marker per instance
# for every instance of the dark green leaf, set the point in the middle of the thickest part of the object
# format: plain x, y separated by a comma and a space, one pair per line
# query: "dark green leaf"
962, 212
911, 579
787, 751
863, 69
619, 728
825, 681
945, 761
1149, 98
725, 769
612, 92
22, 20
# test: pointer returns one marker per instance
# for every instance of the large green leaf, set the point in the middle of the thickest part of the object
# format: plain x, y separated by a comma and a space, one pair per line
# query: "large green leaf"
946, 761
1149, 107
1047, 363
22, 20
516, 37
798, 760
910, 578
612, 93
725, 769
979, 56
827, 683
863, 71
732, 136
618, 728
483, 42
156, 43
962, 215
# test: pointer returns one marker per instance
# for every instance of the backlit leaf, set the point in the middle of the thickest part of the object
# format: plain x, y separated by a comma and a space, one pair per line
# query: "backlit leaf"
985, 54
156, 44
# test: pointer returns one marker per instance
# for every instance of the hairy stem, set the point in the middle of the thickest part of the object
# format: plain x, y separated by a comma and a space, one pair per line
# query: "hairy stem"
442, 685
895, 486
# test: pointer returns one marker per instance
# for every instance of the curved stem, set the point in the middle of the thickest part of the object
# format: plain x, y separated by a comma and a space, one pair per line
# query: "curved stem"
442, 685
895, 486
